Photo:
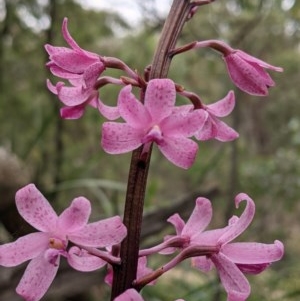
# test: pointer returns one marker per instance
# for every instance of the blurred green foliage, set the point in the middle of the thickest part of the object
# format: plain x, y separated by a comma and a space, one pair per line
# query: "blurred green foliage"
264, 162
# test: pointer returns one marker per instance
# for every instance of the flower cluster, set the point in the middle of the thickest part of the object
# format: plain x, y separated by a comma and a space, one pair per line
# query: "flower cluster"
155, 118
207, 248
45, 248
232, 259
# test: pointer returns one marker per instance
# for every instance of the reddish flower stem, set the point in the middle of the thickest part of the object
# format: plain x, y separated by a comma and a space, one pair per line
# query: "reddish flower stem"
125, 274
191, 251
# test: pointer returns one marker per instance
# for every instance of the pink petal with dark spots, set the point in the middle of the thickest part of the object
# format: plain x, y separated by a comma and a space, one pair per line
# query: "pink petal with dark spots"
103, 233
37, 278
118, 138
75, 216
23, 249
160, 98
180, 151
35, 209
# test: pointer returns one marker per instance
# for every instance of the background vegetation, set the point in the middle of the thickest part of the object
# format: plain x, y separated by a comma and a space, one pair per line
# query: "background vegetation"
64, 159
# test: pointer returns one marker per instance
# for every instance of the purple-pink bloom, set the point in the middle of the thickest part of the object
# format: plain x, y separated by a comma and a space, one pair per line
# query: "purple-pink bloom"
154, 121
82, 69
44, 248
233, 259
248, 73
213, 127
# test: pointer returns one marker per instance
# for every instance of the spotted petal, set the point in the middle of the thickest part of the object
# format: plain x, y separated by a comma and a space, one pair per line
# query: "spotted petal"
180, 151
35, 209
233, 280
103, 233
119, 138
82, 261
160, 98
75, 216
222, 107
132, 110
37, 278
253, 253
242, 223
199, 219
23, 249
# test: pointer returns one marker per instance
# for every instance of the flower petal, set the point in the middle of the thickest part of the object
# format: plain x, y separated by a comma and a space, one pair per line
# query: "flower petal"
53, 88
103, 233
180, 151
23, 249
245, 76
68, 38
70, 60
132, 110
74, 112
257, 61
143, 269
73, 96
75, 216
238, 227
37, 278
177, 222
222, 107
92, 73
60, 72
253, 253
81, 260
184, 124
224, 132
202, 263
208, 131
199, 219
119, 138
109, 112
129, 295
35, 209
160, 98
233, 280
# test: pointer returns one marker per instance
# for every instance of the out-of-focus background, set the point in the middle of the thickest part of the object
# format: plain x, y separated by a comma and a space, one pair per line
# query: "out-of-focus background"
64, 159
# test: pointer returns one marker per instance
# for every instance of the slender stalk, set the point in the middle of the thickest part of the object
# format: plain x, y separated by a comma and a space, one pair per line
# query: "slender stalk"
125, 274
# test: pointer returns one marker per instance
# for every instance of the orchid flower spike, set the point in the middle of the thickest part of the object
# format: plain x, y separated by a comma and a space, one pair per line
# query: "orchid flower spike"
154, 121
44, 248
233, 258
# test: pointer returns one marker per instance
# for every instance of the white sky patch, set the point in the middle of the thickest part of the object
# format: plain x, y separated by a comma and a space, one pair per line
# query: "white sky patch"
287, 4
128, 9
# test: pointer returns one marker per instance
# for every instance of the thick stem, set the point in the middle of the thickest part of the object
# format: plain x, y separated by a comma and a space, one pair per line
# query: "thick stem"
125, 274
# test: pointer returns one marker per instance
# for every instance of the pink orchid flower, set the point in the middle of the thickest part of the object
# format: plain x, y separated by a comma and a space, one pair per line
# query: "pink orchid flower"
248, 73
233, 259
132, 295
82, 69
154, 121
213, 127
44, 248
